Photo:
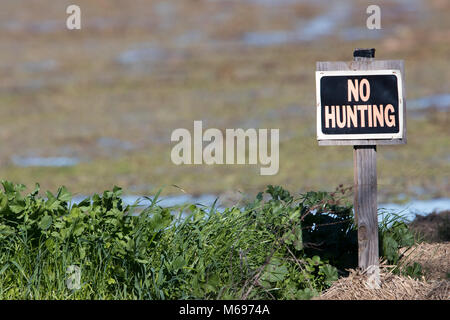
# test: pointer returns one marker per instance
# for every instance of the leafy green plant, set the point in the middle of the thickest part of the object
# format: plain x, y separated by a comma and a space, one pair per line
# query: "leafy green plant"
394, 234
276, 247
251, 252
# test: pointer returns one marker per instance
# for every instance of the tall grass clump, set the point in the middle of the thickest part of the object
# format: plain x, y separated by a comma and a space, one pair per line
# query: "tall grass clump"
275, 247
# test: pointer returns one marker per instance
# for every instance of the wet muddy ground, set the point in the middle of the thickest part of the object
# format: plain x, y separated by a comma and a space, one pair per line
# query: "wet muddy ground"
96, 108
434, 227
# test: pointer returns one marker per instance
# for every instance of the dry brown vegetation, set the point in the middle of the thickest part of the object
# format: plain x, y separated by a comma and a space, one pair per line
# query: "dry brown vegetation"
433, 256
393, 287
435, 285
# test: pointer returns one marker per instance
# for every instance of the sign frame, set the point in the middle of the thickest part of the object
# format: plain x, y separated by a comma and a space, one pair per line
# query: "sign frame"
323, 136
362, 66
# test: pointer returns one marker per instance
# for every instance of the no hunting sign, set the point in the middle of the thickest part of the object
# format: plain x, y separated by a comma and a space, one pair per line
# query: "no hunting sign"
359, 104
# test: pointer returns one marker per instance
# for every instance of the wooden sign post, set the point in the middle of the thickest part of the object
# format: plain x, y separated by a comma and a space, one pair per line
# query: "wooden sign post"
361, 103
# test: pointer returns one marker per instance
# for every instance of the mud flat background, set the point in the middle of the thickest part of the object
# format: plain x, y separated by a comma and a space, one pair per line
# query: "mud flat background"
96, 108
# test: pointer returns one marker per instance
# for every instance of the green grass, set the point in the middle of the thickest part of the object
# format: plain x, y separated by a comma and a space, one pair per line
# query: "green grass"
276, 246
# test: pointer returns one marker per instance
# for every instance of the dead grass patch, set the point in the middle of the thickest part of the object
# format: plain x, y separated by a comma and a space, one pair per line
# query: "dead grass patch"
435, 260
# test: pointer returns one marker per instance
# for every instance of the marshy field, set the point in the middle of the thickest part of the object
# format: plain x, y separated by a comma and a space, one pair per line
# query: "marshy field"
95, 108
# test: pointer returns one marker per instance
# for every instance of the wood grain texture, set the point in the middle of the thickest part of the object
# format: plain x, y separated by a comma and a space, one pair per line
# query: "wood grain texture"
365, 204
366, 64
365, 199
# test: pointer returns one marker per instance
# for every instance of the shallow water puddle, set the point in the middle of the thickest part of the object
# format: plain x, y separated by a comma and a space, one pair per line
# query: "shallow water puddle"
141, 54
438, 101
419, 207
407, 210
44, 161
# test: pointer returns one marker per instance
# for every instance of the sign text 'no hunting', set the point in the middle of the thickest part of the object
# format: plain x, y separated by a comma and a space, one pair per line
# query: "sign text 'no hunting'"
359, 104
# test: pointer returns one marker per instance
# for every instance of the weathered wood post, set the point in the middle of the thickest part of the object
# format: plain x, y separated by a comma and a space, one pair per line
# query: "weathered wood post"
365, 206
362, 104
365, 196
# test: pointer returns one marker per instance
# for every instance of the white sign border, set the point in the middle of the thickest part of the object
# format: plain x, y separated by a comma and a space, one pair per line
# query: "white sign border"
371, 136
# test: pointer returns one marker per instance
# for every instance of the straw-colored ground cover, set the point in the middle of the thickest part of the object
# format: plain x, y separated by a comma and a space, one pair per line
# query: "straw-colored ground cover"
435, 285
